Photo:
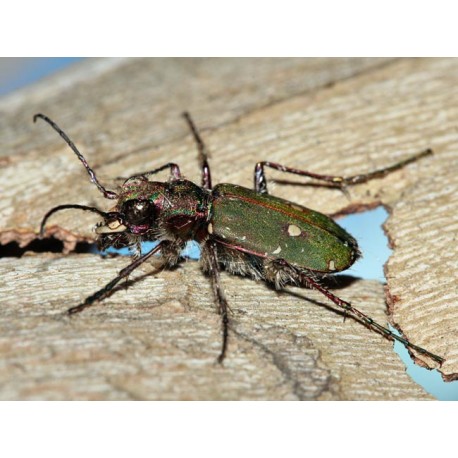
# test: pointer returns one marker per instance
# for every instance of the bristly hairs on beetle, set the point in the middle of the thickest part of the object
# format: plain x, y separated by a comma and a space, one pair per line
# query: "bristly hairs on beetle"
281, 243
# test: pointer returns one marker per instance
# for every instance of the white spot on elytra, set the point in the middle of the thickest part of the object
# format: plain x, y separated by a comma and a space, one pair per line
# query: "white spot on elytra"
332, 265
294, 230
277, 251
210, 228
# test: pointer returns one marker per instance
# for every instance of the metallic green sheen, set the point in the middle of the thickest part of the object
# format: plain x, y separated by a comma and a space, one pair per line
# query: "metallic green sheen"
277, 228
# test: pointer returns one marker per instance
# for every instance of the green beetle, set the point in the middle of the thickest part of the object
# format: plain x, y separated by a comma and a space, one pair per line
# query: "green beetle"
247, 232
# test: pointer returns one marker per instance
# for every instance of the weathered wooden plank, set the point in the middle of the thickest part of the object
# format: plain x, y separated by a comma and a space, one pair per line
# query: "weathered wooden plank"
160, 339
310, 114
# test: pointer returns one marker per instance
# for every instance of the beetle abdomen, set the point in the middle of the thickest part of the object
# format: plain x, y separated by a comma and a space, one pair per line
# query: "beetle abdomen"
276, 228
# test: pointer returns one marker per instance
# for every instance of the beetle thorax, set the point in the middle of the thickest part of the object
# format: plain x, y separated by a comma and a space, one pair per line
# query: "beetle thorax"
184, 211
173, 210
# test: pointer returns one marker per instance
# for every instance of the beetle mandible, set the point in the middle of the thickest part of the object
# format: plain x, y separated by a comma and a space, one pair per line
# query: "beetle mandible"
291, 245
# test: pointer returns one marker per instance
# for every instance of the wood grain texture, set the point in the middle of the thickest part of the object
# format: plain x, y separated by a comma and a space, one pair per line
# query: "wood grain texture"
159, 340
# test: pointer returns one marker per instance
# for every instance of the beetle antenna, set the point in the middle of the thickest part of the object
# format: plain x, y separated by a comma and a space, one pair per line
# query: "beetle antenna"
64, 207
107, 194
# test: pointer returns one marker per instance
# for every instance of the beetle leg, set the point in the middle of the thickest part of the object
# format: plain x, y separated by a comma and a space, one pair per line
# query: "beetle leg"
174, 172
260, 181
214, 272
312, 283
203, 152
175, 169
108, 288
308, 279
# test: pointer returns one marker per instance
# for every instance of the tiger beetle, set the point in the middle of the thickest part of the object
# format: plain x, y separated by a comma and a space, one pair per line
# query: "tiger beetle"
243, 231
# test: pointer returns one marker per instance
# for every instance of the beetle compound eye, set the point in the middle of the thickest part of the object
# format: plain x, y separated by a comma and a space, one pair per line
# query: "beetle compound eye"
137, 211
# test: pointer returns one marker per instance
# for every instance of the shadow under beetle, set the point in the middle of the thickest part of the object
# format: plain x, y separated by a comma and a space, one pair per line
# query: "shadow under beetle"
288, 244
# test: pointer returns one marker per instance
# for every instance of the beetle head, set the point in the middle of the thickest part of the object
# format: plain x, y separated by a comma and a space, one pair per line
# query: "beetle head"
135, 216
137, 209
